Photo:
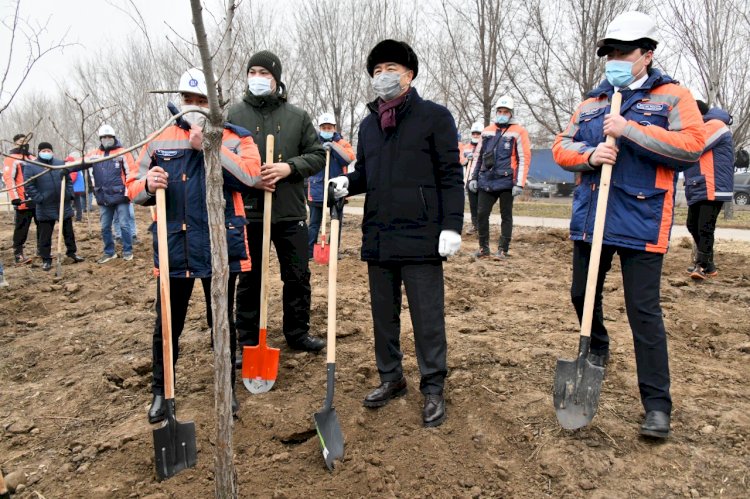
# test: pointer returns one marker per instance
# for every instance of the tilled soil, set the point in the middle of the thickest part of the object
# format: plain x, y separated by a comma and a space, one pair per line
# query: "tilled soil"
75, 368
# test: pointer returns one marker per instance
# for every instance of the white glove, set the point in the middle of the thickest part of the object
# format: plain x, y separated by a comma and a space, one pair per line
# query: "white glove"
450, 243
340, 186
473, 185
517, 190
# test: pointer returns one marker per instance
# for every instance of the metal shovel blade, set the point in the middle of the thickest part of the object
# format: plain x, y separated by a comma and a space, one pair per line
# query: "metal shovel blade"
321, 253
578, 384
260, 367
328, 427
174, 445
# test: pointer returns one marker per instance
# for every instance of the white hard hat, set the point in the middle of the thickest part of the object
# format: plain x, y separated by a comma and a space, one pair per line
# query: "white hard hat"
106, 130
477, 127
505, 101
635, 29
326, 118
193, 81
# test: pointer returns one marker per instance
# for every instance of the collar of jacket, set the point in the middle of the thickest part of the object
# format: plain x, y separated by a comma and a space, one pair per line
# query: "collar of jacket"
411, 98
655, 79
718, 114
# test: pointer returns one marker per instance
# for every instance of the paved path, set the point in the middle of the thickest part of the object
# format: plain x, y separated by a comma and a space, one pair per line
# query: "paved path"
678, 231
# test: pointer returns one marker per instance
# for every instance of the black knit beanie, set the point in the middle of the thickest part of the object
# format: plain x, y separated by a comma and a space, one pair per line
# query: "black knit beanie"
268, 60
393, 51
45, 145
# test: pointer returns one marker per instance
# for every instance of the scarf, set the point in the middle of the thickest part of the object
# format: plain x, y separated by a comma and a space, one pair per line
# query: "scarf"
387, 111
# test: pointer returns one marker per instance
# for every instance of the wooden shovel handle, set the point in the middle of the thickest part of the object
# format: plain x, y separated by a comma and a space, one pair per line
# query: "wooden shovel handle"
164, 296
333, 265
267, 205
325, 198
598, 236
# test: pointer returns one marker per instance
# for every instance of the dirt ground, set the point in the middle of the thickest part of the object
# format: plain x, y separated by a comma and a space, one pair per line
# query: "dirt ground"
75, 359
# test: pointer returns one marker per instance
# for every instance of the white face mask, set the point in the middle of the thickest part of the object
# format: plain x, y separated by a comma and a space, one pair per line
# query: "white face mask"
387, 86
259, 85
108, 143
193, 117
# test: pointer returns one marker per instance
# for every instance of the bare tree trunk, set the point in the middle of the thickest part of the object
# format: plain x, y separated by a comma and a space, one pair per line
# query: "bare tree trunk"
225, 478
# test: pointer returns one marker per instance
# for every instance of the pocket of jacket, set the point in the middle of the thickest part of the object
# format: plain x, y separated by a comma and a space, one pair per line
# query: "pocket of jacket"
176, 244
236, 249
635, 212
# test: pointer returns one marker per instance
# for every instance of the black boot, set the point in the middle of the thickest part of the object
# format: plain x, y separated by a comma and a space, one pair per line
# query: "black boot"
235, 405
484, 252
433, 413
656, 425
158, 410
385, 392
701, 262
308, 343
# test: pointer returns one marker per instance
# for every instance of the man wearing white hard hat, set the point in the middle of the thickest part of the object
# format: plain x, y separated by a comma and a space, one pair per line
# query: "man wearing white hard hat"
499, 175
469, 155
659, 132
341, 154
173, 160
110, 192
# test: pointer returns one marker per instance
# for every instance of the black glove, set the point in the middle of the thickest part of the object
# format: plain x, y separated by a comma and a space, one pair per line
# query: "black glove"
64, 172
16, 202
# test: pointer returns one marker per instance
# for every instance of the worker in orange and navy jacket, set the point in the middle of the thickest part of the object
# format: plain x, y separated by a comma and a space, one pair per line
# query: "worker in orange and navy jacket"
13, 178
173, 160
341, 154
708, 186
500, 174
658, 132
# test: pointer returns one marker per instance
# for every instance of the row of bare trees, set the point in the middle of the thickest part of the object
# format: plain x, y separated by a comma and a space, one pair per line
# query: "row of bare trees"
542, 52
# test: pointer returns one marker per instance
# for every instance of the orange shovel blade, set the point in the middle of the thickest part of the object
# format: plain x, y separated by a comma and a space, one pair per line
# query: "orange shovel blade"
260, 366
321, 253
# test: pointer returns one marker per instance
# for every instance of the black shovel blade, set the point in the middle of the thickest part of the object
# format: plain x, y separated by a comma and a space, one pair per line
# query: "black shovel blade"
327, 424
174, 445
578, 384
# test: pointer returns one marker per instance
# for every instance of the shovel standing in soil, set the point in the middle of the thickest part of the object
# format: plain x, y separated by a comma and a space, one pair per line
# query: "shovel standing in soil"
578, 383
174, 443
322, 250
58, 266
4, 494
260, 364
326, 420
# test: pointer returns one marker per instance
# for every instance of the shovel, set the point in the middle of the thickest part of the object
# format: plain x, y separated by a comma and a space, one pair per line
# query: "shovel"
174, 442
58, 267
321, 250
326, 420
260, 364
4, 494
578, 383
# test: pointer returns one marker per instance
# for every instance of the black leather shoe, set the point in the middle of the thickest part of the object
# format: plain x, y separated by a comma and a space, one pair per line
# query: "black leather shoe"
75, 258
385, 392
308, 344
46, 265
158, 410
235, 405
433, 413
656, 425
599, 359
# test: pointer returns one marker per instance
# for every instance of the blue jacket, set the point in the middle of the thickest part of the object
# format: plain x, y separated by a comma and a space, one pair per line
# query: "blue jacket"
337, 166
713, 178
45, 190
664, 134
109, 176
504, 158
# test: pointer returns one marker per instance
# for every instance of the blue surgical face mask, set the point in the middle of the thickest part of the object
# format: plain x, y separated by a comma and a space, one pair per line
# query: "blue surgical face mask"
45, 155
259, 85
326, 135
502, 119
620, 73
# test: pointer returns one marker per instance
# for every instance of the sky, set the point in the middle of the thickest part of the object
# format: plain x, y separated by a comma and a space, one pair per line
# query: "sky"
90, 25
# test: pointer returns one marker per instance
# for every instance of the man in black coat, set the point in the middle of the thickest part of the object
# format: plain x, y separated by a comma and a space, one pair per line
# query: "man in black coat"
408, 166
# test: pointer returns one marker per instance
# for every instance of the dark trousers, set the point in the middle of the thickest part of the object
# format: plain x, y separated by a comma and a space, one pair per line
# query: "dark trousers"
290, 241
79, 201
701, 223
180, 289
425, 292
485, 203
473, 196
641, 276
47, 228
316, 217
21, 230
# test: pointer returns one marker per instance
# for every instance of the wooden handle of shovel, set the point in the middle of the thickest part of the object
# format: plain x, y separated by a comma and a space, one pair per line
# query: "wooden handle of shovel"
325, 198
3, 488
166, 304
60, 220
333, 265
598, 236
267, 205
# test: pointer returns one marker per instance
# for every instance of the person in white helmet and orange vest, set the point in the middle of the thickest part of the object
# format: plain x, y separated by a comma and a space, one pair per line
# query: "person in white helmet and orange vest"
659, 132
469, 155
341, 154
500, 175
110, 192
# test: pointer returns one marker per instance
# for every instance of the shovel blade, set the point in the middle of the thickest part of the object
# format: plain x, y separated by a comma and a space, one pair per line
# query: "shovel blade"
260, 367
330, 436
576, 392
174, 445
321, 253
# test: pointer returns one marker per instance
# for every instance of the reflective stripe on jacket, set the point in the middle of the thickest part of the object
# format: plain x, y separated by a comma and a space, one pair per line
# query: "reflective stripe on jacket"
713, 178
